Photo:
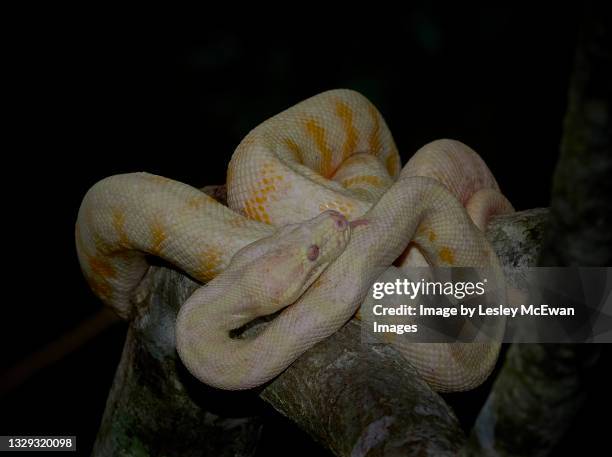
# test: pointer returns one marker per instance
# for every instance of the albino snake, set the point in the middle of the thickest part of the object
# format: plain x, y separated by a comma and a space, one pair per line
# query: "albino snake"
328, 159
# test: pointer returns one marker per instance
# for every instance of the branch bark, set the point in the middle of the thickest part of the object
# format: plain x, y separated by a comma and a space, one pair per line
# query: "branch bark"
354, 399
154, 407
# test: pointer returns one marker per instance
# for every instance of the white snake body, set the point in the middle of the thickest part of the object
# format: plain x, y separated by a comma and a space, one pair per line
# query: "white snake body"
331, 152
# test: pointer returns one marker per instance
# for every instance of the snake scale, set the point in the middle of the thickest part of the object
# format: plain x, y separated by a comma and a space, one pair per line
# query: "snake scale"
319, 207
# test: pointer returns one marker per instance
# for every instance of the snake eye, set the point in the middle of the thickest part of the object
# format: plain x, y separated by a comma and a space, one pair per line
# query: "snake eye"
313, 252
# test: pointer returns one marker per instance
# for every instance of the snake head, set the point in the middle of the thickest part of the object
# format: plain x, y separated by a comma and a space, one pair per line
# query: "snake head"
297, 254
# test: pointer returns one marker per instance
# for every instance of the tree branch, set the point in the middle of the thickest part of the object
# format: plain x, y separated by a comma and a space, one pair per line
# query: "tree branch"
354, 399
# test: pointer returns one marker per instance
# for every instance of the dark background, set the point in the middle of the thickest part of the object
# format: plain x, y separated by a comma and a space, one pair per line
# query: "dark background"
107, 92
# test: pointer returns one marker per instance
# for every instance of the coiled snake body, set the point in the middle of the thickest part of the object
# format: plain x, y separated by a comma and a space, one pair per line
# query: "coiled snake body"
308, 171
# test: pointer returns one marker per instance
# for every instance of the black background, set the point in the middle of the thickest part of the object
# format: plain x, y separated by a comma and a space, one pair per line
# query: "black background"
105, 92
